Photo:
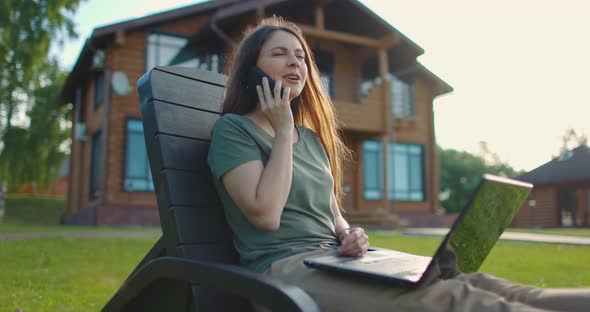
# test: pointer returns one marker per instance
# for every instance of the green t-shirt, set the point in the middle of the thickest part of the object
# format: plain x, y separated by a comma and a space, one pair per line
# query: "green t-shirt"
307, 222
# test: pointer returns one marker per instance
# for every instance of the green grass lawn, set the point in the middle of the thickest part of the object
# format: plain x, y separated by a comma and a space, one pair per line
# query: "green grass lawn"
543, 265
38, 210
81, 274
557, 231
64, 274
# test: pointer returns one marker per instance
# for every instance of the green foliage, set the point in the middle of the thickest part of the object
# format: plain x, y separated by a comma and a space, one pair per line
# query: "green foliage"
27, 28
33, 210
460, 173
35, 154
30, 83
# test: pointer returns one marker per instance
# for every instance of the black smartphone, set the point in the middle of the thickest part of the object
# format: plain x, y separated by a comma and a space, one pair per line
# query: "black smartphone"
255, 78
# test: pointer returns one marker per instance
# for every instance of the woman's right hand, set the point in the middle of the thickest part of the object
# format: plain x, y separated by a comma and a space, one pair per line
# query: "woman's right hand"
275, 106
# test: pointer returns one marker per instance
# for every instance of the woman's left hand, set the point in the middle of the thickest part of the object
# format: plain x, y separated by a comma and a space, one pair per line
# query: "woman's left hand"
354, 242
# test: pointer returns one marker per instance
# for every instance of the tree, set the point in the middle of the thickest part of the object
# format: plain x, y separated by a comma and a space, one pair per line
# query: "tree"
572, 139
460, 173
49, 128
30, 82
26, 30
35, 153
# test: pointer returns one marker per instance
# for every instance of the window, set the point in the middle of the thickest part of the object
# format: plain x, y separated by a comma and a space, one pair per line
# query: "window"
402, 97
325, 63
372, 169
406, 172
405, 175
369, 76
98, 89
95, 164
138, 176
164, 50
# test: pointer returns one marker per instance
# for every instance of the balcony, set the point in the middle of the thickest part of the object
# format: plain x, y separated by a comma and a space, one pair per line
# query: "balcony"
367, 115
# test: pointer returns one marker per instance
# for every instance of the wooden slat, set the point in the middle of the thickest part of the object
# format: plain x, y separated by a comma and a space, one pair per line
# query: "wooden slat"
179, 120
195, 74
198, 225
183, 188
182, 153
184, 91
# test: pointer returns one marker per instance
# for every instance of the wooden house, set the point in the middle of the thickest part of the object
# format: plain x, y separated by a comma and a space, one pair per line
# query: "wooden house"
561, 196
382, 95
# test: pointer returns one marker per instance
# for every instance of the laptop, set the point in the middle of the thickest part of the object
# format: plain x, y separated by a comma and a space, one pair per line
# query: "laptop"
474, 233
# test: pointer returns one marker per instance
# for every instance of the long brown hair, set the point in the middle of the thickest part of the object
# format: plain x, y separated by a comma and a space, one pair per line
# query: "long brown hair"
314, 109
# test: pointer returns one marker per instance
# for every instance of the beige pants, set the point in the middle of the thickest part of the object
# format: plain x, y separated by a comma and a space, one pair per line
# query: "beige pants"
466, 292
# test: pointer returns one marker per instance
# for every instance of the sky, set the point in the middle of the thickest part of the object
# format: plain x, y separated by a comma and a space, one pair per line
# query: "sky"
519, 69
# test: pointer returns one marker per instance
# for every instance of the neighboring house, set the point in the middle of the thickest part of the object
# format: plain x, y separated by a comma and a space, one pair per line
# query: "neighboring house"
561, 196
58, 188
382, 95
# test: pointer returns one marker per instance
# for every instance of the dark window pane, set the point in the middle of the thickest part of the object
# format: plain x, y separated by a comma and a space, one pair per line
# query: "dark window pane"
96, 151
165, 50
137, 171
98, 89
372, 168
407, 166
325, 62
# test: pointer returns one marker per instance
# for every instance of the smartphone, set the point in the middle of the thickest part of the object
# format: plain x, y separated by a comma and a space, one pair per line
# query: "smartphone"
255, 78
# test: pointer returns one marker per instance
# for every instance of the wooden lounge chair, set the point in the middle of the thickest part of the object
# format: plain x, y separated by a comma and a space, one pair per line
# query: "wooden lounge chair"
193, 266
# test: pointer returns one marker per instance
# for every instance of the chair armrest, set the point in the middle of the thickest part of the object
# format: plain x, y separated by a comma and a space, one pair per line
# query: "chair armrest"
233, 279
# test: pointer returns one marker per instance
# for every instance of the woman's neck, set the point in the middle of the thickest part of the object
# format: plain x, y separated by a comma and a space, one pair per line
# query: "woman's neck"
258, 118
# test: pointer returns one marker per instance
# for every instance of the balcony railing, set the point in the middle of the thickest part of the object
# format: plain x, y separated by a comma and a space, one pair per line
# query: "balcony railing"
368, 114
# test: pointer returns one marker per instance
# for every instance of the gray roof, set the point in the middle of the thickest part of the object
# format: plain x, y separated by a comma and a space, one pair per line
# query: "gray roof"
572, 166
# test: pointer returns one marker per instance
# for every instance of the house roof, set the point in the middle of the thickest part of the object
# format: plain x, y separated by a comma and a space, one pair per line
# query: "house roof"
100, 34
227, 9
571, 166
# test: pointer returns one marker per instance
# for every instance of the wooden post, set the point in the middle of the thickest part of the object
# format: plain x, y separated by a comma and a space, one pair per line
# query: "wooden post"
319, 18
384, 150
387, 121
383, 72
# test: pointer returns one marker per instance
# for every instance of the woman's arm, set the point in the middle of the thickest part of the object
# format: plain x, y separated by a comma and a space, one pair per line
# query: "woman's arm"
353, 241
261, 192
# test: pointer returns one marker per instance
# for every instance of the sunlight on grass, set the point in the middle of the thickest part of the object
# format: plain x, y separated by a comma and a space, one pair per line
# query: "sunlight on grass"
82, 274
543, 265
65, 274
555, 231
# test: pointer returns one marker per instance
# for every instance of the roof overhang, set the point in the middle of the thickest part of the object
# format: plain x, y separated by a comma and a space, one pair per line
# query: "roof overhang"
101, 35
227, 9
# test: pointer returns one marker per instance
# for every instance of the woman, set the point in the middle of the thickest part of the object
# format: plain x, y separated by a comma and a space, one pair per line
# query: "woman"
277, 157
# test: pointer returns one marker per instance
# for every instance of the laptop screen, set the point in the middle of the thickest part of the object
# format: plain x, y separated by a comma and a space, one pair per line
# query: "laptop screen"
484, 219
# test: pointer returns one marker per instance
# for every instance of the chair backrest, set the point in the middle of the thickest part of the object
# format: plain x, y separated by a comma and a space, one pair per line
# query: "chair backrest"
179, 107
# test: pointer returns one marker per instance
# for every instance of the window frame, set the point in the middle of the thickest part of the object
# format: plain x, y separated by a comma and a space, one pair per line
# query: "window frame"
95, 159
207, 57
126, 154
379, 168
320, 63
98, 96
392, 193
409, 102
